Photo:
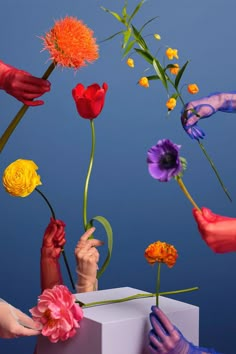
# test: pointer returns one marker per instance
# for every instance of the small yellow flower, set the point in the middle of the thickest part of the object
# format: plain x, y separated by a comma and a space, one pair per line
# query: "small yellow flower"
20, 178
157, 36
172, 53
144, 81
161, 252
193, 89
130, 62
175, 70
171, 103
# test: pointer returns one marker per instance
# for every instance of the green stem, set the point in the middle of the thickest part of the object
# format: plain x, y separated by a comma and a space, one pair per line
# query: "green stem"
179, 291
184, 189
85, 201
214, 169
133, 297
10, 129
158, 283
62, 250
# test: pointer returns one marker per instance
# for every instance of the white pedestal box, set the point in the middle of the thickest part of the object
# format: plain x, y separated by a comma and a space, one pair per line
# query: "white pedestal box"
121, 328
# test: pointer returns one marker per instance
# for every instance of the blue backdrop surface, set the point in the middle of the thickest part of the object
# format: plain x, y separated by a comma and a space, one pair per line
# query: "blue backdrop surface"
140, 209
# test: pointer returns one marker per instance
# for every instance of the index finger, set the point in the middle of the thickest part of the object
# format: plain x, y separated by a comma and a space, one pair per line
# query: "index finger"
24, 331
87, 234
199, 218
163, 319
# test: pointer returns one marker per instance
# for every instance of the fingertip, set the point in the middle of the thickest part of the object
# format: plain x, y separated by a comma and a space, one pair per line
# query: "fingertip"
34, 103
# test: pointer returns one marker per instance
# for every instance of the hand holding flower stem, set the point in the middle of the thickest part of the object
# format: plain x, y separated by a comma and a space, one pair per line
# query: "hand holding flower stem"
134, 40
20, 179
62, 249
16, 120
71, 54
89, 103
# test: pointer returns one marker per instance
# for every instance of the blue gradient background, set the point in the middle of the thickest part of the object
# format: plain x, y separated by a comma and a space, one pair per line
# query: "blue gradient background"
139, 209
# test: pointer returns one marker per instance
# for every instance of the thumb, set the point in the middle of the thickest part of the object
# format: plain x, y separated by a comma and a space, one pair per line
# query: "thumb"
199, 218
208, 215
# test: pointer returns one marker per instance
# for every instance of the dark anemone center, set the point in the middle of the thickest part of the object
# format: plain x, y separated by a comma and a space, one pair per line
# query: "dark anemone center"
168, 161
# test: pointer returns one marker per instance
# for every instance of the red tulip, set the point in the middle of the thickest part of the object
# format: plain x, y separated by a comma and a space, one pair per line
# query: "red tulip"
89, 101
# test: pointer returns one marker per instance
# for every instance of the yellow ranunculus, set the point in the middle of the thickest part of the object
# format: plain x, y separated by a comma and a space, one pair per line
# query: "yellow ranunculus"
20, 178
172, 53
130, 62
144, 81
175, 69
193, 89
171, 103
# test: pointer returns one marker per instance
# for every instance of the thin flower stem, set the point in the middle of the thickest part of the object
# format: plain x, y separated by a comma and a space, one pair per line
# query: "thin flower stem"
10, 129
85, 202
133, 297
214, 169
184, 189
178, 291
158, 282
62, 249
48, 203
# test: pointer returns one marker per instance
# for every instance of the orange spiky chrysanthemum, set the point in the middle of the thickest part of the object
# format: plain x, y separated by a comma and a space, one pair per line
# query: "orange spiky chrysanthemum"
71, 43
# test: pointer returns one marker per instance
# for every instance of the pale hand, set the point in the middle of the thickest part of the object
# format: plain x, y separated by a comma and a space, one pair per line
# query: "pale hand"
87, 257
14, 323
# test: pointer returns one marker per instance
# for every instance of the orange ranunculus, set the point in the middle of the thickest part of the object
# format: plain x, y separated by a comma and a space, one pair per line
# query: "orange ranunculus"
71, 43
89, 101
144, 81
174, 70
193, 89
172, 53
171, 103
161, 252
130, 62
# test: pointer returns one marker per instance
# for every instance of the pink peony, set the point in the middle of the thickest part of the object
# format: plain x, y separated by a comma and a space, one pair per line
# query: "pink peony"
58, 313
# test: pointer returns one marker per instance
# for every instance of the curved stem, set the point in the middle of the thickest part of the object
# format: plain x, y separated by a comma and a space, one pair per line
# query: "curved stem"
11, 127
184, 189
62, 250
214, 169
48, 203
85, 200
158, 283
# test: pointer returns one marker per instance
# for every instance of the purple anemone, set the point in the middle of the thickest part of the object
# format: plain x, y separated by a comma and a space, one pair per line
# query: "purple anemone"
164, 161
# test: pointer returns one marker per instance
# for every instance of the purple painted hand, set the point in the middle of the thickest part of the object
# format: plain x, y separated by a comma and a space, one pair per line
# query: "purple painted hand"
204, 108
165, 338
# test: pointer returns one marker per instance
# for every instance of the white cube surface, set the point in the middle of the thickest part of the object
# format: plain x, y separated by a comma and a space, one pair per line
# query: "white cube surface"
122, 328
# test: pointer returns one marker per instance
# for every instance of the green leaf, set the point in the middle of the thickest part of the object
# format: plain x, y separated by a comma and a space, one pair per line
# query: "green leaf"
112, 36
139, 38
146, 55
153, 77
146, 23
136, 10
124, 11
179, 75
105, 223
160, 72
117, 16
128, 48
175, 96
126, 35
